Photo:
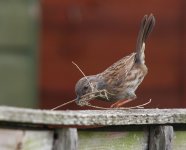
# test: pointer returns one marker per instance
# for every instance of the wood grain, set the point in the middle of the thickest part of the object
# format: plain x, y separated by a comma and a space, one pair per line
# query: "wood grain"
92, 117
25, 140
127, 140
161, 138
67, 139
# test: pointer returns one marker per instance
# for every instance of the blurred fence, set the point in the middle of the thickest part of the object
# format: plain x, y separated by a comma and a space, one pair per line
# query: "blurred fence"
19, 23
132, 129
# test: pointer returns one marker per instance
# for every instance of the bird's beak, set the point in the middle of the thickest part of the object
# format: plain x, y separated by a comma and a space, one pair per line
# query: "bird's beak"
77, 99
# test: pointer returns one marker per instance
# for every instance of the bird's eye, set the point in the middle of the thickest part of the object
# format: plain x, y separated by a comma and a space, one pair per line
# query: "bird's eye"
85, 87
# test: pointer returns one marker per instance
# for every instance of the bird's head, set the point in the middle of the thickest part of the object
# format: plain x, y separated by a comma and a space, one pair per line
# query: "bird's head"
87, 85
84, 86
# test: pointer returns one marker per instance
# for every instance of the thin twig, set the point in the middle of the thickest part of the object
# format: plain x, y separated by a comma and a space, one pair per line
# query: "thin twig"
99, 107
120, 108
92, 87
63, 104
86, 99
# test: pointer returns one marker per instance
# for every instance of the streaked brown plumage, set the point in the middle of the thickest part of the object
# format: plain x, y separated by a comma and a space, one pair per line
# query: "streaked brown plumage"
121, 79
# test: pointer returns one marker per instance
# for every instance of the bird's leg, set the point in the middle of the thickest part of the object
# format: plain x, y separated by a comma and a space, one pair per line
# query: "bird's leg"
124, 101
120, 103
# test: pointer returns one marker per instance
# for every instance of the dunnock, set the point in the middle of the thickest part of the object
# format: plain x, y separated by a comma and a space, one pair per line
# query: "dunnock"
120, 81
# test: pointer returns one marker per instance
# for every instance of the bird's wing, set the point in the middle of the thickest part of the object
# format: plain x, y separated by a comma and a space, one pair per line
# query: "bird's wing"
116, 73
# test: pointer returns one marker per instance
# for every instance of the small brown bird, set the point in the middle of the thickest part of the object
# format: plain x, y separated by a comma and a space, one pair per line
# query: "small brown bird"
120, 80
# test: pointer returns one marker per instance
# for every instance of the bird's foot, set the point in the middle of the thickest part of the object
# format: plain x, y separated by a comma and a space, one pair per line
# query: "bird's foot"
120, 103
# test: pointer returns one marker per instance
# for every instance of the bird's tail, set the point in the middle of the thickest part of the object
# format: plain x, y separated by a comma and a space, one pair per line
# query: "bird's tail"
147, 24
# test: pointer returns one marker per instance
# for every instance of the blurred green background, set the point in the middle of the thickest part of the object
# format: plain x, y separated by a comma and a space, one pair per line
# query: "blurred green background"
19, 25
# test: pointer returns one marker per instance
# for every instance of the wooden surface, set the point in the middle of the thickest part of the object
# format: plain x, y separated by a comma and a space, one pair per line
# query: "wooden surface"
66, 139
127, 140
25, 140
103, 139
140, 129
93, 117
161, 138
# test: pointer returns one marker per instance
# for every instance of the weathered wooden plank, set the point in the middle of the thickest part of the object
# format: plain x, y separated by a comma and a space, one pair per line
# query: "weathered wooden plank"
179, 142
66, 139
161, 138
25, 140
127, 140
93, 117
